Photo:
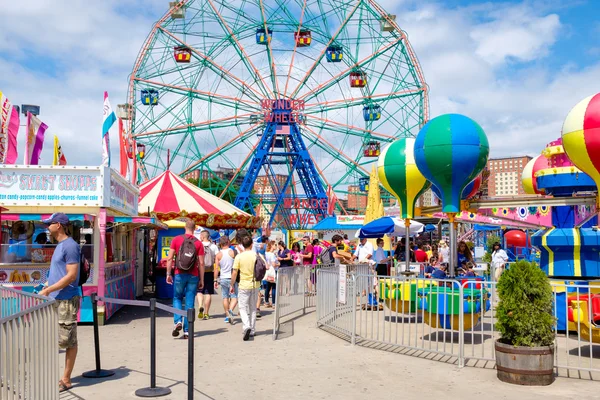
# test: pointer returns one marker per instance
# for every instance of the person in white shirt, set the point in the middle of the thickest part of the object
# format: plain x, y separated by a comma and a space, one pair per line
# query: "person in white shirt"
224, 260
499, 260
364, 251
204, 295
443, 252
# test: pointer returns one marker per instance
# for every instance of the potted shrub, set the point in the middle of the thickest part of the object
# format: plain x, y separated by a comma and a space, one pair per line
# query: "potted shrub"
525, 351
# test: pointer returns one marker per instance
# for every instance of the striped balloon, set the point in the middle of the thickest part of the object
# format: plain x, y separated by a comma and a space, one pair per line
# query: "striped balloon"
528, 176
581, 136
468, 192
399, 174
450, 151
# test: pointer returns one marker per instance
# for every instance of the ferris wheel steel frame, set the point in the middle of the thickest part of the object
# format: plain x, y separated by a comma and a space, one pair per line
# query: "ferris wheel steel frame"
150, 129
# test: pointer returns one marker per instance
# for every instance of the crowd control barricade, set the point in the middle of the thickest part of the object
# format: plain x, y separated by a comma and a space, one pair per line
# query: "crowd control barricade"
452, 320
29, 367
153, 305
296, 291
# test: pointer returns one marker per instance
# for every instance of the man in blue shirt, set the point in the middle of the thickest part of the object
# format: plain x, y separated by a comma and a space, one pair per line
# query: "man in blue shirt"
63, 287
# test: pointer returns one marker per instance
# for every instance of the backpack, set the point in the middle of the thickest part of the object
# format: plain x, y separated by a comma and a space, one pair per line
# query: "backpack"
260, 268
326, 257
187, 254
209, 258
84, 270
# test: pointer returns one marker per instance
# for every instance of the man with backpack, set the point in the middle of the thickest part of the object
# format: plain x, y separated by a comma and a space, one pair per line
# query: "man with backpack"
204, 294
252, 268
330, 255
189, 273
63, 286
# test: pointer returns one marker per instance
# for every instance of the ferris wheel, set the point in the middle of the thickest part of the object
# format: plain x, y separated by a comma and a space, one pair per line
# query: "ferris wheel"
277, 104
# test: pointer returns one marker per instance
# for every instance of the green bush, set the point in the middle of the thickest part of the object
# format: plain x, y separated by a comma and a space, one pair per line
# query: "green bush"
524, 312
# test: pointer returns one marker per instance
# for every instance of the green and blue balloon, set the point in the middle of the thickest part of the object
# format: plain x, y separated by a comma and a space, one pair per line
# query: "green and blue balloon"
450, 151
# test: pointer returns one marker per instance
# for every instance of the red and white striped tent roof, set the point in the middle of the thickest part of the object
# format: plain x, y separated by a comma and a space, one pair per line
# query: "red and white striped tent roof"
169, 197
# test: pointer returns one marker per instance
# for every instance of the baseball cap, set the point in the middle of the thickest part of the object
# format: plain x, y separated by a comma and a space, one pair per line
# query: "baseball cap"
59, 218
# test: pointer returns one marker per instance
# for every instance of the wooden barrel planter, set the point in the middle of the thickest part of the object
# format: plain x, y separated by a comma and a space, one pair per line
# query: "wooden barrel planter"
531, 366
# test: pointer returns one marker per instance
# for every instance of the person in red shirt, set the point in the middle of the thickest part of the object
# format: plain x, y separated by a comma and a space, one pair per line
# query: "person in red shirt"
186, 282
421, 255
307, 253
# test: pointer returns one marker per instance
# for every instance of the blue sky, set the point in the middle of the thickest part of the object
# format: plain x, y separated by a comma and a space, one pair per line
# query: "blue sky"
517, 67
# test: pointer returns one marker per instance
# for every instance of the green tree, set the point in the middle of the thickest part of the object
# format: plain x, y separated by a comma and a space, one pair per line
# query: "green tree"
525, 309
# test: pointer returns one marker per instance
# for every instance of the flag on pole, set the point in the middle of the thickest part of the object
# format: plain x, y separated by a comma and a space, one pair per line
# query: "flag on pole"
59, 156
123, 164
9, 128
34, 142
108, 120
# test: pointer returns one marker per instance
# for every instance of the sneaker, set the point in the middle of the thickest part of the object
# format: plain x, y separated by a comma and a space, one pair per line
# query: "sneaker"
178, 326
232, 314
258, 313
246, 334
227, 320
186, 335
201, 313
206, 316
230, 319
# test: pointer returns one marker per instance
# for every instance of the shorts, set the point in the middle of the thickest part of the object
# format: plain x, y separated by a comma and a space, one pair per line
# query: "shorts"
382, 269
209, 283
67, 322
226, 287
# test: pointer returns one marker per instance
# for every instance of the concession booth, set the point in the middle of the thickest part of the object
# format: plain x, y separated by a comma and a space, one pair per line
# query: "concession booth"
103, 209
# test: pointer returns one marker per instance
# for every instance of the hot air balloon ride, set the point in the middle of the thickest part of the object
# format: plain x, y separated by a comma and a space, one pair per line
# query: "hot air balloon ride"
399, 174
450, 151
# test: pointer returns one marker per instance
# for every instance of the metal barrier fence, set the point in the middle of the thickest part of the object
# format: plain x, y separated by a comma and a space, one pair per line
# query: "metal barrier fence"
29, 366
152, 390
297, 287
451, 320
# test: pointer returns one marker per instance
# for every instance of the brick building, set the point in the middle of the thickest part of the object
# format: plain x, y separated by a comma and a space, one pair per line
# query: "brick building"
505, 176
357, 199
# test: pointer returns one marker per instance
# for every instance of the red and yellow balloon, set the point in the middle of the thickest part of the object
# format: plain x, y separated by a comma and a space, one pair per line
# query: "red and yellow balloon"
581, 136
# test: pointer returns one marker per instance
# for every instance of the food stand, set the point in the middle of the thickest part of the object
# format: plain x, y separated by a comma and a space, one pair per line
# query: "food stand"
102, 207
171, 197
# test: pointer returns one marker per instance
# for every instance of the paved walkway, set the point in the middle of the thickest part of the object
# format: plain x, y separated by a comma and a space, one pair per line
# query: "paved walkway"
305, 362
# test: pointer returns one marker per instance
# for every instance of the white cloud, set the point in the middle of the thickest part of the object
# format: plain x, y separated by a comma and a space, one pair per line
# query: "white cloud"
464, 53
515, 33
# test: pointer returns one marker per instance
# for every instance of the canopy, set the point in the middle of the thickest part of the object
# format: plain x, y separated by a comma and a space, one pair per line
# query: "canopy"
430, 228
168, 197
388, 226
331, 224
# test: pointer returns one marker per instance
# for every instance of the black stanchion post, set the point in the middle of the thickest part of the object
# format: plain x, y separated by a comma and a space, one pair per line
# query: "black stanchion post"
98, 372
191, 315
152, 391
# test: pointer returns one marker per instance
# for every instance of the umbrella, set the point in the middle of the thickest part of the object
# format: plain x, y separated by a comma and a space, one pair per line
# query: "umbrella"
388, 226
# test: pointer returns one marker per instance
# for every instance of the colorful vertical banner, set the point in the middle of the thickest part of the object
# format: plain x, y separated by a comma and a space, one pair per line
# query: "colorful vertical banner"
59, 156
123, 164
34, 141
9, 128
108, 121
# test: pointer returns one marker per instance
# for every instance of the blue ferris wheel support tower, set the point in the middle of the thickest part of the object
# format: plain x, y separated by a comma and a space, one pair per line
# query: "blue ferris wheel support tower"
280, 145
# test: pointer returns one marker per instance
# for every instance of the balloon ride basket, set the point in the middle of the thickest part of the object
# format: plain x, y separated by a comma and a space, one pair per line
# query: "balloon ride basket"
400, 296
442, 306
580, 318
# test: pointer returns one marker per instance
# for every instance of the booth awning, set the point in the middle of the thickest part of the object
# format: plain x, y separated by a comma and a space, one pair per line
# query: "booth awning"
169, 197
39, 217
330, 224
138, 221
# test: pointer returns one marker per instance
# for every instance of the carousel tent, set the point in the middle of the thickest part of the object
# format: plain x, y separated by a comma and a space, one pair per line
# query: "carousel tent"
169, 197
